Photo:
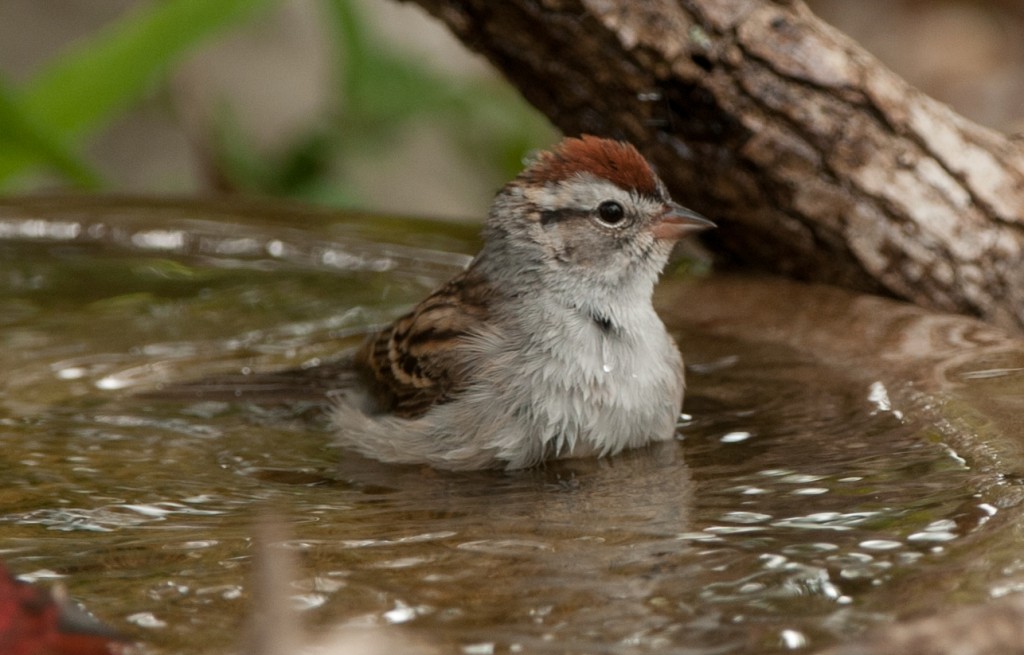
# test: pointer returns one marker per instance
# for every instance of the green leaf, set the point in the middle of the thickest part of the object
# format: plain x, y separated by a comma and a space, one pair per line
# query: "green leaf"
21, 131
381, 89
94, 80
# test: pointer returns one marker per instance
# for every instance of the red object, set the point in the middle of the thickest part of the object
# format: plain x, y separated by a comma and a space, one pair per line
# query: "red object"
34, 621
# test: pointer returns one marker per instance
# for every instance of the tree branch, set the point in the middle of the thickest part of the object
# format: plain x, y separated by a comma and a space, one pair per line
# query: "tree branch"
816, 160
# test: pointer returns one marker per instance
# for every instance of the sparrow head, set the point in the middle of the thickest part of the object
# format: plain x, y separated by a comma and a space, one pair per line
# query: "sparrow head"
592, 208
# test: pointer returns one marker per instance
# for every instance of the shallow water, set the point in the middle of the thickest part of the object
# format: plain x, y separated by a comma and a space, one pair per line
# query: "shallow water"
815, 490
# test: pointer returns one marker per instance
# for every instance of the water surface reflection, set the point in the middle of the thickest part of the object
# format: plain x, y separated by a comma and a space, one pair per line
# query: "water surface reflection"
820, 483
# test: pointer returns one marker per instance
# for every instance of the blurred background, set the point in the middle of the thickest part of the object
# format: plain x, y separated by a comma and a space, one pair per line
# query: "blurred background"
366, 104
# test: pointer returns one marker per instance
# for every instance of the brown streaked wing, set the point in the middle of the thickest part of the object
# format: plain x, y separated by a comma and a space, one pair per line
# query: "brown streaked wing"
413, 363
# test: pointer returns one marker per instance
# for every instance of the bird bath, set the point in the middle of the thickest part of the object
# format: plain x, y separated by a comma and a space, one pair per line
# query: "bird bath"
843, 460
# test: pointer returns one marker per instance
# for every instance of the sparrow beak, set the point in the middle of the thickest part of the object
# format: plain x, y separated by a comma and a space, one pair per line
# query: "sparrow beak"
677, 222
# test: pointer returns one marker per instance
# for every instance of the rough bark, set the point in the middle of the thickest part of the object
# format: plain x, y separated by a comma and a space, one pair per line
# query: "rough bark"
816, 160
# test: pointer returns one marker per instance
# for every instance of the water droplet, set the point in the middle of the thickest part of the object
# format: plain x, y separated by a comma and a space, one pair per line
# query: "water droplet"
71, 373
879, 396
402, 613
735, 437
792, 639
146, 620
606, 363
112, 383
810, 491
928, 535
160, 239
880, 544
746, 517
275, 248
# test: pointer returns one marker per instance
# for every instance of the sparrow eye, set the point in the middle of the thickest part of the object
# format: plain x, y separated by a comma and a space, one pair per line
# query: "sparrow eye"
611, 212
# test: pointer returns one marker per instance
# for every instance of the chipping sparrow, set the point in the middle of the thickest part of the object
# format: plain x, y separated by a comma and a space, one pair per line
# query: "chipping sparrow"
548, 345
